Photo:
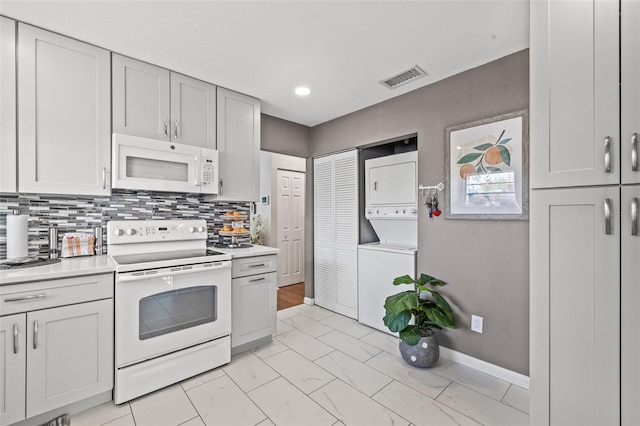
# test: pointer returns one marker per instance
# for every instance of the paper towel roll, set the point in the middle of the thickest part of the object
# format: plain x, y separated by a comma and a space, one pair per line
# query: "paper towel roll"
17, 236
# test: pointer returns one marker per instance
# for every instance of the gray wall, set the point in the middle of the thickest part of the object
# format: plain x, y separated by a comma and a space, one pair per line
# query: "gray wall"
486, 263
284, 137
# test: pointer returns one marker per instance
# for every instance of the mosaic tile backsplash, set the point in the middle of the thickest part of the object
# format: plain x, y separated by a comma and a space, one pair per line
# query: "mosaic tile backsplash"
84, 213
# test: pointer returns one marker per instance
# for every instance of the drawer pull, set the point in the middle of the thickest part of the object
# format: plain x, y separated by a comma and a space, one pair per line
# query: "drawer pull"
35, 334
257, 279
15, 338
30, 297
607, 154
257, 265
634, 152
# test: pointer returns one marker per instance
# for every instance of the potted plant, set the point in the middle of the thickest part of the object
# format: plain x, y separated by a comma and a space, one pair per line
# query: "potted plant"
429, 311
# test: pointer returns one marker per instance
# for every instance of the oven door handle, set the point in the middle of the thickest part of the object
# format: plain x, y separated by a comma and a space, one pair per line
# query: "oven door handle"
172, 272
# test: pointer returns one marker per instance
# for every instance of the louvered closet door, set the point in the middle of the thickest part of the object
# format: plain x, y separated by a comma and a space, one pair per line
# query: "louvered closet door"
323, 235
336, 233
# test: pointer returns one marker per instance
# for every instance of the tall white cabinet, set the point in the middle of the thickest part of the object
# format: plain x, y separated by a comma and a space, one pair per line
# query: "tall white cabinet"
585, 249
238, 143
335, 189
7, 105
64, 111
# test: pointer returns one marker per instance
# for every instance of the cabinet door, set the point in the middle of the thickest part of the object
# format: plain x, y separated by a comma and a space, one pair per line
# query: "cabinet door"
575, 307
69, 354
12, 368
574, 97
630, 160
630, 302
64, 114
140, 99
238, 142
254, 306
8, 141
193, 111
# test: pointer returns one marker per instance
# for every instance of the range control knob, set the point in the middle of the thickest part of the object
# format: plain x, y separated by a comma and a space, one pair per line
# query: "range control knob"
369, 211
396, 211
201, 228
131, 231
192, 229
413, 211
118, 232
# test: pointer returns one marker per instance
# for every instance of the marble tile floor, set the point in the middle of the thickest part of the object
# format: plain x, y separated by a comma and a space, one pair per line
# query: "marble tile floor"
324, 369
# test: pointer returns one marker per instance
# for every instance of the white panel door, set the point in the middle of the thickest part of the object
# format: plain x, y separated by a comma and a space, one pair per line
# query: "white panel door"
140, 99
69, 354
575, 307
630, 161
64, 108
13, 358
238, 142
193, 111
574, 96
630, 301
8, 159
290, 207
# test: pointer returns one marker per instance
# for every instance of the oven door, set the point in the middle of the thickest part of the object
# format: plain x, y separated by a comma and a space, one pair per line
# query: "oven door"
153, 165
164, 310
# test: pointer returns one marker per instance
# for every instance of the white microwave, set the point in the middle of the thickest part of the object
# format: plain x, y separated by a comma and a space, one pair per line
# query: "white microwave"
155, 165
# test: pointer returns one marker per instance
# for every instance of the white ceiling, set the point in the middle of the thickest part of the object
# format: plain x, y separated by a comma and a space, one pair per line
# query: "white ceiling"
340, 49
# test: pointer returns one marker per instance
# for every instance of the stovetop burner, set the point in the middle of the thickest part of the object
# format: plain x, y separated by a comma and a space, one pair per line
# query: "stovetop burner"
232, 246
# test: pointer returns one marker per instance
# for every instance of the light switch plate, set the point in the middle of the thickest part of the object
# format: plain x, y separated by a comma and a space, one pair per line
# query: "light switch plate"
476, 323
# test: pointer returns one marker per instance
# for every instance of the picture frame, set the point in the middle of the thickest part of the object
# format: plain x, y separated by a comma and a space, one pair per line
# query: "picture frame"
487, 168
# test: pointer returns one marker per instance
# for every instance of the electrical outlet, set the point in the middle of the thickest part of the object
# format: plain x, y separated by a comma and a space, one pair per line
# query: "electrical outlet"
476, 323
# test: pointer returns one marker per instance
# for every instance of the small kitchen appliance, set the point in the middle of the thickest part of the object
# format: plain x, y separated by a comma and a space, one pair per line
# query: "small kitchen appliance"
172, 304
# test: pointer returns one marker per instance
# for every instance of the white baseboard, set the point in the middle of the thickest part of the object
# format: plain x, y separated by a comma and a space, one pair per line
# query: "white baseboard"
486, 367
309, 301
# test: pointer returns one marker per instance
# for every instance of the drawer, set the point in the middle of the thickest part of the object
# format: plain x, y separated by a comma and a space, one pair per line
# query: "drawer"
245, 266
51, 293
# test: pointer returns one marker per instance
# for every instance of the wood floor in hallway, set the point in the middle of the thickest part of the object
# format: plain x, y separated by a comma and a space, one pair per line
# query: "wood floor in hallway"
290, 295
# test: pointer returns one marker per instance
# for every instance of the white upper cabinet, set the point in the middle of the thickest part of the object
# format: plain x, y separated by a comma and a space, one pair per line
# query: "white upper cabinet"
575, 93
8, 105
140, 99
64, 115
630, 33
193, 111
238, 143
153, 102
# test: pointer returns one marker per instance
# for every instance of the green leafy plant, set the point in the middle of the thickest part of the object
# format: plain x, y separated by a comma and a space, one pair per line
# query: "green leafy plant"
425, 305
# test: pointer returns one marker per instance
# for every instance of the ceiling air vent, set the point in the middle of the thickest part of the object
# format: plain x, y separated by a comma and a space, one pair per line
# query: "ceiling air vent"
404, 77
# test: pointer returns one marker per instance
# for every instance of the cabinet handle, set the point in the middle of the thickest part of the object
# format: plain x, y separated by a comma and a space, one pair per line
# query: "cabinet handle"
634, 152
35, 334
104, 178
257, 265
634, 216
220, 191
31, 296
15, 338
257, 279
166, 127
607, 216
375, 186
607, 154
175, 129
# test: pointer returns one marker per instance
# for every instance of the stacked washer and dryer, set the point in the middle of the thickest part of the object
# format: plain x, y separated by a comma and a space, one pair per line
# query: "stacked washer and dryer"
391, 206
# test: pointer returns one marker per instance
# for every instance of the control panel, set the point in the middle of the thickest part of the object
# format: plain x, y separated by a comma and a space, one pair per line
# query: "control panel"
392, 212
142, 231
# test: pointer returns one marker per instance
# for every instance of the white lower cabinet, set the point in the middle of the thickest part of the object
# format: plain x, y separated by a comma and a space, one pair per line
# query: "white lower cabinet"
585, 278
12, 367
254, 301
52, 356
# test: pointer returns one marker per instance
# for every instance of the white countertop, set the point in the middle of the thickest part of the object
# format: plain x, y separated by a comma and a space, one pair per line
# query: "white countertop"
256, 250
69, 267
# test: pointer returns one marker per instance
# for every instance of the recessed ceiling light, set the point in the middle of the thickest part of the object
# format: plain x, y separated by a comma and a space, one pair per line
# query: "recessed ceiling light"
302, 91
